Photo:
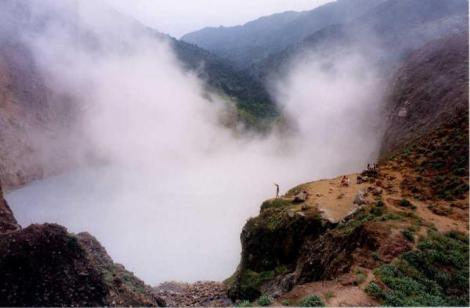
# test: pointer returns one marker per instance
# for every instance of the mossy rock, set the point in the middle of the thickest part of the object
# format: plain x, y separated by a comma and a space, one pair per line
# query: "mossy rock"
274, 237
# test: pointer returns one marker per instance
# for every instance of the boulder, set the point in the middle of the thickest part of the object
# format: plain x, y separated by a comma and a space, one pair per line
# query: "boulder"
359, 199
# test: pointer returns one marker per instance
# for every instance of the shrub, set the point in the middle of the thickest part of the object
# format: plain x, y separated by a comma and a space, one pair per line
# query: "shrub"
285, 302
374, 290
376, 255
312, 301
408, 235
407, 204
435, 274
377, 211
263, 300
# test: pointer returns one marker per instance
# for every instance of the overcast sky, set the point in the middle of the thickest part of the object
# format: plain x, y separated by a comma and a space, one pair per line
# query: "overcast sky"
178, 17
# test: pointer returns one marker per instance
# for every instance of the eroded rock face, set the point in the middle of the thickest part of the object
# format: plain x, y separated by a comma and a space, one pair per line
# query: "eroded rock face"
333, 253
271, 244
274, 238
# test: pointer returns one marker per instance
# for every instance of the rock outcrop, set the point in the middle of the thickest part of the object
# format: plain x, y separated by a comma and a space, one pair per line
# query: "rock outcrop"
291, 243
8, 222
44, 265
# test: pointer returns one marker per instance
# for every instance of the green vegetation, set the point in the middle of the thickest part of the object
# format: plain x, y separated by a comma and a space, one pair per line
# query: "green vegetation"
248, 282
435, 274
285, 302
245, 304
406, 203
376, 256
360, 277
359, 218
253, 101
312, 301
329, 295
440, 161
263, 301
273, 203
449, 187
408, 234
374, 290
377, 211
374, 213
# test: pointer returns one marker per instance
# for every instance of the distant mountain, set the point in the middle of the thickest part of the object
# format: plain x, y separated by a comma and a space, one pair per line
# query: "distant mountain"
386, 33
253, 100
255, 40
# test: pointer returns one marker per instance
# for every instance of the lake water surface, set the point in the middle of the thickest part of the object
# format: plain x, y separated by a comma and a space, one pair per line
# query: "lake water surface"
160, 230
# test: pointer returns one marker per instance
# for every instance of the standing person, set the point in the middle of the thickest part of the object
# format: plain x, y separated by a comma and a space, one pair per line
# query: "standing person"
277, 190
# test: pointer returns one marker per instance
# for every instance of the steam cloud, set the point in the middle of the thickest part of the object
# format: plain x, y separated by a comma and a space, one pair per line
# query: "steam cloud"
178, 186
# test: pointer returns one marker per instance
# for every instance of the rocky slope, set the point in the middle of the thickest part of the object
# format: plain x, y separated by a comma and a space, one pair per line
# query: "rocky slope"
44, 265
386, 236
428, 90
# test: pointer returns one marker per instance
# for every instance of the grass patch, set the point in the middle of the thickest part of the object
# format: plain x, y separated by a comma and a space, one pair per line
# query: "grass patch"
275, 203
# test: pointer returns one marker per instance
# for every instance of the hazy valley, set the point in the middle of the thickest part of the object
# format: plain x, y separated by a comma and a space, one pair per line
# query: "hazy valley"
168, 152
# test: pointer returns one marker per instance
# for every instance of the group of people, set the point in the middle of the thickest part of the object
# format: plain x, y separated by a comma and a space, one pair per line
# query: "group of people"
372, 168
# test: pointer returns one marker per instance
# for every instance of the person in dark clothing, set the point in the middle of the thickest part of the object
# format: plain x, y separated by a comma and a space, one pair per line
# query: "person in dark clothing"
277, 190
